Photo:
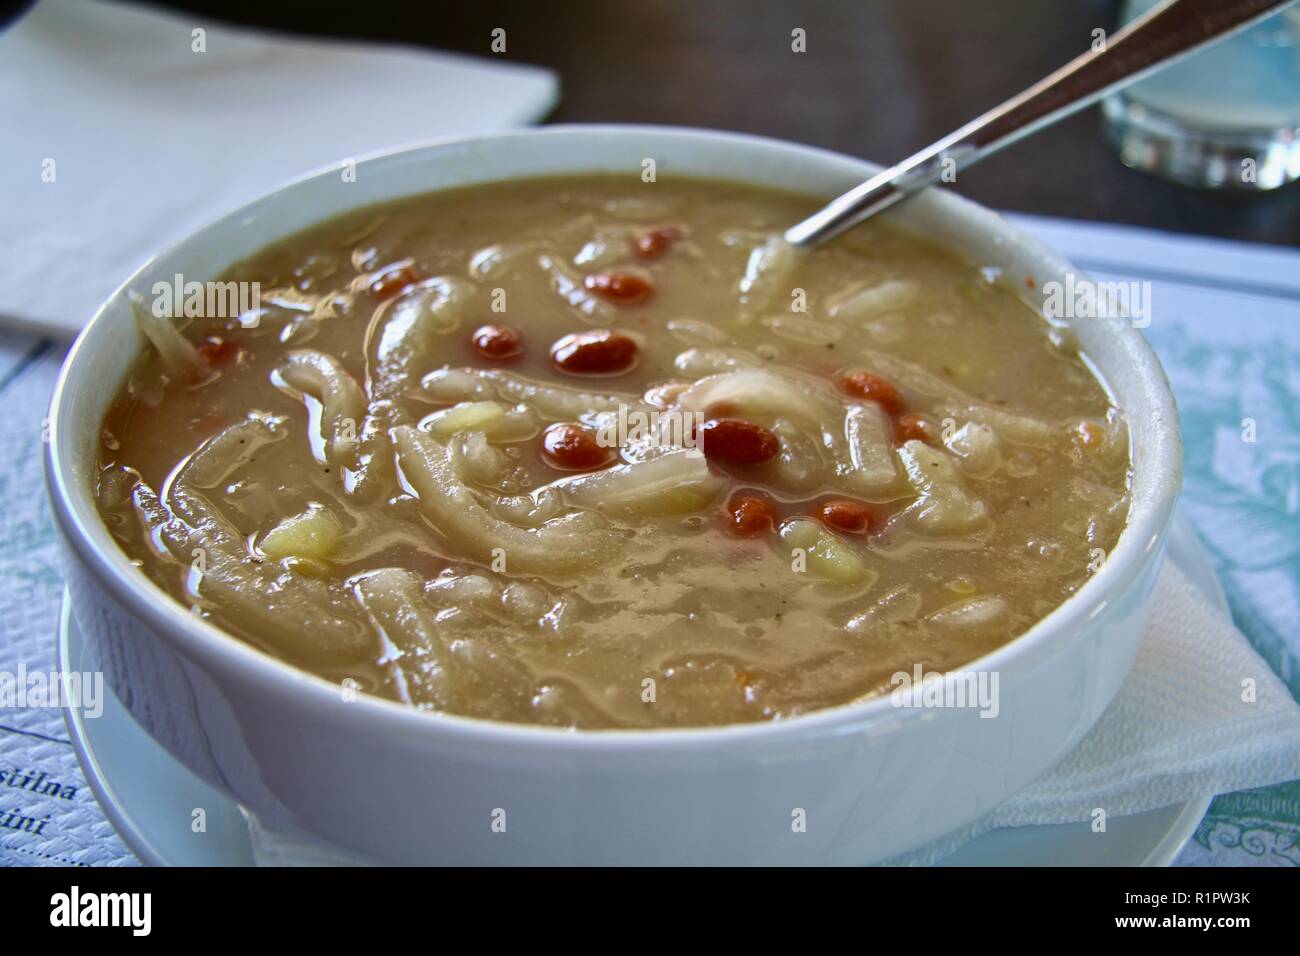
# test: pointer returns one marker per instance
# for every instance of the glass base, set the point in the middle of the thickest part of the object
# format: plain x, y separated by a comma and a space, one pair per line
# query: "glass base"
1156, 142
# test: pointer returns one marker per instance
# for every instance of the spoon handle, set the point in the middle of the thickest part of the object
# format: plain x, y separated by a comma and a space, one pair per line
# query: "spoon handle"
1158, 38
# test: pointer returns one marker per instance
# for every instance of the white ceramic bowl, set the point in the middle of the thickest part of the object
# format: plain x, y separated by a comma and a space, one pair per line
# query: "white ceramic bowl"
871, 780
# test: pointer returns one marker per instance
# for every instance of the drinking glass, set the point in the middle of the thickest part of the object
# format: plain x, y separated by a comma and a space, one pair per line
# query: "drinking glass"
1226, 117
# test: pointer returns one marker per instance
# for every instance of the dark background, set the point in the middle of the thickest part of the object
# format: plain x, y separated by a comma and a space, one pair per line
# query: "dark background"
881, 78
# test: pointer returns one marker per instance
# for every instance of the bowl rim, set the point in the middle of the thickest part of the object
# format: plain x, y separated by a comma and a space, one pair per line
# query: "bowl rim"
199, 640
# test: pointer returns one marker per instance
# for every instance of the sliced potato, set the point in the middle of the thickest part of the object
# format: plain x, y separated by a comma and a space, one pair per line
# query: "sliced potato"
828, 557
315, 534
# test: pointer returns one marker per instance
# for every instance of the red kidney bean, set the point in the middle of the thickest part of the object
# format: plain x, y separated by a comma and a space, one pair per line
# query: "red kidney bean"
594, 353
573, 448
653, 244
625, 288
874, 388
218, 353
391, 283
751, 515
845, 514
497, 341
914, 427
737, 442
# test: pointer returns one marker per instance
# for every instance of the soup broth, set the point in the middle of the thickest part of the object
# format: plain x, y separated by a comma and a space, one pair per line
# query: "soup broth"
596, 453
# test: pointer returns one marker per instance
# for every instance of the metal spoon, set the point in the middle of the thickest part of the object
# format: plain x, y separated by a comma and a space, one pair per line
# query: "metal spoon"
1160, 37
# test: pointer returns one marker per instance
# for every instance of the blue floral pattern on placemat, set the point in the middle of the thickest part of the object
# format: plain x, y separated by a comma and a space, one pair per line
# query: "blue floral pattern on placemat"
1252, 827
1240, 409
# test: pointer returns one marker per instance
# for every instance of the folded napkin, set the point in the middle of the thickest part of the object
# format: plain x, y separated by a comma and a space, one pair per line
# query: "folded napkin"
1178, 730
125, 130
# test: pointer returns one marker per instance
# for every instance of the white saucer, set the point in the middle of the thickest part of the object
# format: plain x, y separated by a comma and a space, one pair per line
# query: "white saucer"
149, 797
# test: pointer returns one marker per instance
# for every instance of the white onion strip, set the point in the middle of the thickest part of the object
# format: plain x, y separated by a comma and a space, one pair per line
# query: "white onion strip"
572, 542
343, 404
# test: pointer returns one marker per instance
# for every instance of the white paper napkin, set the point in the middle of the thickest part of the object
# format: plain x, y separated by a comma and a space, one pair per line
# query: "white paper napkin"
146, 139
1178, 729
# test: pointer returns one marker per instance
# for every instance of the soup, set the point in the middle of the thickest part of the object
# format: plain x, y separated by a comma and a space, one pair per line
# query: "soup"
597, 453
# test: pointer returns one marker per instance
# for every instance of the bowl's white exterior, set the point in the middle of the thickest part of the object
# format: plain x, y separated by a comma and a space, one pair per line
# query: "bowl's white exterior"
868, 780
